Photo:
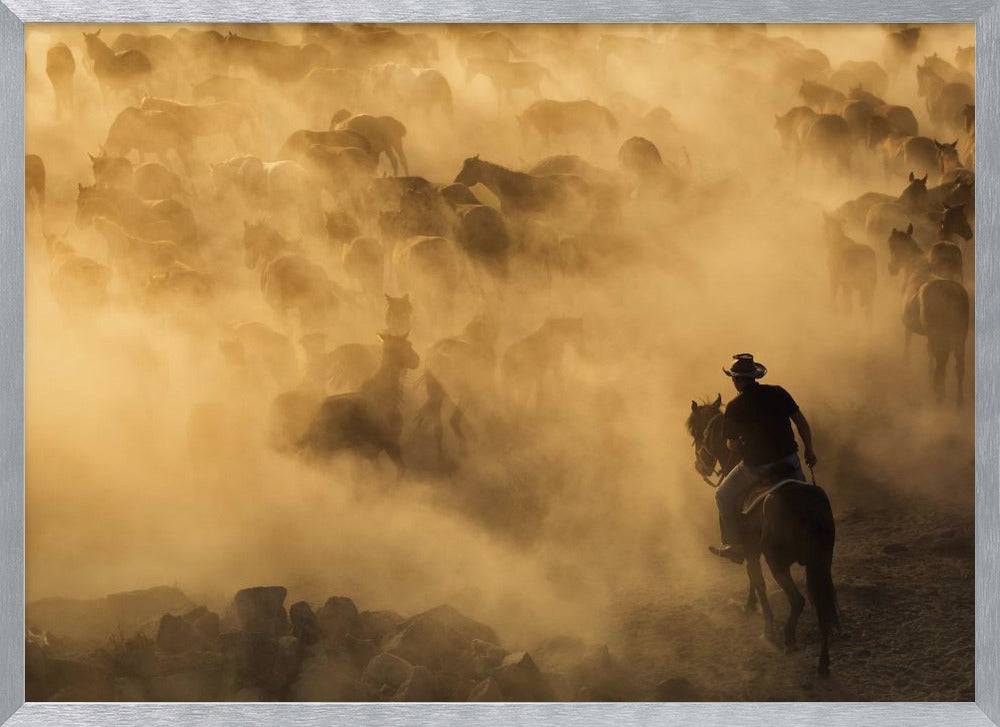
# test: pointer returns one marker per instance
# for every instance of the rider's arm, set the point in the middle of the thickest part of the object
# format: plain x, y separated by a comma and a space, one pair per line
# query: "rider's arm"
806, 433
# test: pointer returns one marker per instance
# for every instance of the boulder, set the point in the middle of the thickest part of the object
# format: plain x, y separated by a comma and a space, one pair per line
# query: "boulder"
325, 680
176, 635
677, 689
521, 681
256, 660
440, 639
305, 625
373, 625
486, 655
337, 618
205, 622
261, 610
488, 690
385, 674
420, 686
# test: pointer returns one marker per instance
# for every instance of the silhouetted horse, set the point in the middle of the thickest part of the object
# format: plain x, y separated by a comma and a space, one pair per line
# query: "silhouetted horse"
367, 421
116, 71
60, 67
792, 524
932, 306
852, 267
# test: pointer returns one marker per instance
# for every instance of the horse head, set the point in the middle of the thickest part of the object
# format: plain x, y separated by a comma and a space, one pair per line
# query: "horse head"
915, 193
955, 222
470, 173
948, 155
398, 350
902, 248
698, 422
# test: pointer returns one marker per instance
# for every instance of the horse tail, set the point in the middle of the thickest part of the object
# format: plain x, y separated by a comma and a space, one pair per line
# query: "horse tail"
819, 580
822, 593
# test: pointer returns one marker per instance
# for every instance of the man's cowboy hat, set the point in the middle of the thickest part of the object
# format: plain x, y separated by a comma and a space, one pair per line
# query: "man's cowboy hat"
746, 367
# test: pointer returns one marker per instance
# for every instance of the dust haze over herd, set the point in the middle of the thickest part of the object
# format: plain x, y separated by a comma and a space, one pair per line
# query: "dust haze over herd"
186, 318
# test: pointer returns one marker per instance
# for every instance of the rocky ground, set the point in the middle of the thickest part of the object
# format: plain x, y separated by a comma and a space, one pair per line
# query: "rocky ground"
257, 650
905, 584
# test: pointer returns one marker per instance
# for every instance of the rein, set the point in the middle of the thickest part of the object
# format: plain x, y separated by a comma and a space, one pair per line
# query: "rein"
703, 448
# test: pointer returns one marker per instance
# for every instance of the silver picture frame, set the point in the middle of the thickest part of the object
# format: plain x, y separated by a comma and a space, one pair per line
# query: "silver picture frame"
13, 709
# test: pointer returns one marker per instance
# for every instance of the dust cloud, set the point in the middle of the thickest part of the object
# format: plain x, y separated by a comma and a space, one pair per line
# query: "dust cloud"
148, 454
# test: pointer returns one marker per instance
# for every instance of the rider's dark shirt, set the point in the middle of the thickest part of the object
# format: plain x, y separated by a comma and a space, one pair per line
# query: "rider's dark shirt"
759, 417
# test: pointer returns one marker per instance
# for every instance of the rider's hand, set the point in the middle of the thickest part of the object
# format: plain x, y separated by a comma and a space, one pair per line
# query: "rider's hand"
810, 458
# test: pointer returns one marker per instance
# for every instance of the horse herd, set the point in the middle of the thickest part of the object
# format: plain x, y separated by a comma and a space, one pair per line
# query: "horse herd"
924, 234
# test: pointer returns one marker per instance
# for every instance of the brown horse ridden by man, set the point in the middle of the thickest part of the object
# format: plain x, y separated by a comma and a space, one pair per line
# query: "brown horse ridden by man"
787, 522
935, 307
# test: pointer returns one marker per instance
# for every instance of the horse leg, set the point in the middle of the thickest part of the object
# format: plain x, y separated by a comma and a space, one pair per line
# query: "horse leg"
939, 359
757, 583
960, 371
751, 606
796, 602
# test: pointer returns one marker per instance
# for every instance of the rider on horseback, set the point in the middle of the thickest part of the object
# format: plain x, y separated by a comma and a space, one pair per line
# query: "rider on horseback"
757, 426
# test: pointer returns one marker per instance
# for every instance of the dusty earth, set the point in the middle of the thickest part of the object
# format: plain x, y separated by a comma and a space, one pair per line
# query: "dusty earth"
904, 580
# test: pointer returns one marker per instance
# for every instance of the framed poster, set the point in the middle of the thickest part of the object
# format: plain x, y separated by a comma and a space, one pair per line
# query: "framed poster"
364, 353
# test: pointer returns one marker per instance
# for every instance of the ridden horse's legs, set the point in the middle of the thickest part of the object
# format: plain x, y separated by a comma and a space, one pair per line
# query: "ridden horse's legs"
751, 606
757, 584
939, 366
960, 371
796, 602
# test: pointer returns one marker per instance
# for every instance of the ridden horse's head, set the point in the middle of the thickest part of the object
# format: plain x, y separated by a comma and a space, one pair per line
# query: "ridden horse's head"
902, 249
954, 222
697, 424
471, 172
398, 351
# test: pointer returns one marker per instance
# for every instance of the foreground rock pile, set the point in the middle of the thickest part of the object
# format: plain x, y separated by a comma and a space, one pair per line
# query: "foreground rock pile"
259, 651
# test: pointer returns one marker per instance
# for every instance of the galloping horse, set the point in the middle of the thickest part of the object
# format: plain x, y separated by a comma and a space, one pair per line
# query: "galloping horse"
792, 523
